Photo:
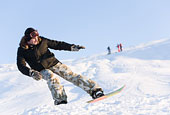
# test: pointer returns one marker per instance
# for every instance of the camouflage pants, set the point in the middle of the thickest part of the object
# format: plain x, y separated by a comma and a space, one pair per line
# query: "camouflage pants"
57, 90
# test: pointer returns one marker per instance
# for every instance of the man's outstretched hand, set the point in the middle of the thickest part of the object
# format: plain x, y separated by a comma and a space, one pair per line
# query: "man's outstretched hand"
76, 47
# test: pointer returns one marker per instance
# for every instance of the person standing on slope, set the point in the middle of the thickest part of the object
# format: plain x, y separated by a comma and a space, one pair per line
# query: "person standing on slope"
34, 50
109, 50
120, 47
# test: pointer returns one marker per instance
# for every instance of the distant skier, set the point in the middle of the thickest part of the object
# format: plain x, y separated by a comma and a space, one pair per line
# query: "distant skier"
120, 47
34, 50
109, 50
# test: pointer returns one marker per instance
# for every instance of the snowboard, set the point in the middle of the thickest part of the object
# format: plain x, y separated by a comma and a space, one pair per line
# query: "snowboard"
107, 95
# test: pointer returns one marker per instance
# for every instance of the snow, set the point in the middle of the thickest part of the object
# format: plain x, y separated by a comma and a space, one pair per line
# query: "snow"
144, 69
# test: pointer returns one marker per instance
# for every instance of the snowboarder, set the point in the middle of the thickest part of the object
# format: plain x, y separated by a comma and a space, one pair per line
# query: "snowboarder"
34, 50
109, 50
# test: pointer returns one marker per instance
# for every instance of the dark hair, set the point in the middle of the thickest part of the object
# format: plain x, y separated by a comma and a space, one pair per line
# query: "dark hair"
27, 33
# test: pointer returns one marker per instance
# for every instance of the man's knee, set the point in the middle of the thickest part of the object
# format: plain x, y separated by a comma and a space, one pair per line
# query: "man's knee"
61, 70
47, 74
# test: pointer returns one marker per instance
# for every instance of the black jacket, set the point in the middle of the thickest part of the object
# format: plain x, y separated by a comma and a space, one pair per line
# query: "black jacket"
39, 57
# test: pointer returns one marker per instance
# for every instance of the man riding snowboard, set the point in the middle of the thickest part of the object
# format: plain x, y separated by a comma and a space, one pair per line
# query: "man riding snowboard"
34, 50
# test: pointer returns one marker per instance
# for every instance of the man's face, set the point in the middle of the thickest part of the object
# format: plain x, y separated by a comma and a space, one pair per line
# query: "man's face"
33, 41
34, 38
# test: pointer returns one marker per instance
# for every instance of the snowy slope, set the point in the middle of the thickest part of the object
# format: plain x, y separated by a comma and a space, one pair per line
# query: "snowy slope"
145, 69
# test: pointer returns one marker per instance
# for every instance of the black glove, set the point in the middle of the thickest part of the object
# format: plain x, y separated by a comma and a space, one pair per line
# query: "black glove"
35, 75
76, 47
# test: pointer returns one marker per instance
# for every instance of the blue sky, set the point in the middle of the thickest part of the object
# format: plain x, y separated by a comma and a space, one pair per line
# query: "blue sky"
95, 24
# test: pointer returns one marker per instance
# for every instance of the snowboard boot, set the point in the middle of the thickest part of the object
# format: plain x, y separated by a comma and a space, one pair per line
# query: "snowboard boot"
97, 93
56, 102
